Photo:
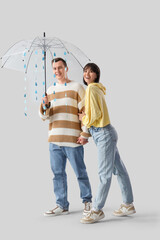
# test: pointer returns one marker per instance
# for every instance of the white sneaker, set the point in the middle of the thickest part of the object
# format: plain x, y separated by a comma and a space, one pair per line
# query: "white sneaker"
87, 208
125, 210
56, 211
93, 217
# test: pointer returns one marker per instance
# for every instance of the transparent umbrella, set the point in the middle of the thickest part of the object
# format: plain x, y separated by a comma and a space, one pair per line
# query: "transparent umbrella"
33, 57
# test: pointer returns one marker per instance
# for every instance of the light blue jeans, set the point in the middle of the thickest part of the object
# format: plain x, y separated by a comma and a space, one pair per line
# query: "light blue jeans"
58, 158
109, 162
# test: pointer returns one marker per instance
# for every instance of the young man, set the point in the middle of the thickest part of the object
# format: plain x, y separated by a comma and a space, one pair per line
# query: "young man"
61, 106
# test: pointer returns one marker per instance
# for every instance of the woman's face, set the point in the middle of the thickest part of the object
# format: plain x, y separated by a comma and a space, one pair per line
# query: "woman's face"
89, 76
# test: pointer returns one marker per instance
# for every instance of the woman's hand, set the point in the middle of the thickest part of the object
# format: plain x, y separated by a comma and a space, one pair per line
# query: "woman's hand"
81, 115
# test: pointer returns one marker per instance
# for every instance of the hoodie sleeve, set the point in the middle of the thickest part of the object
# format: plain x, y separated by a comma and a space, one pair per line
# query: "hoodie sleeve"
92, 107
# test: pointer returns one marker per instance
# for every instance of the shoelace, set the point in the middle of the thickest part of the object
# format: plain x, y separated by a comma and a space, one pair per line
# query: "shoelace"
87, 206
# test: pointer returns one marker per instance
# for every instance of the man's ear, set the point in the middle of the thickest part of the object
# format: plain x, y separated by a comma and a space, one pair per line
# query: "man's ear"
66, 69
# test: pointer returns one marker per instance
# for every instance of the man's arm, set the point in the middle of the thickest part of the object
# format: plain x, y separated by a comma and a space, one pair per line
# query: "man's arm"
84, 135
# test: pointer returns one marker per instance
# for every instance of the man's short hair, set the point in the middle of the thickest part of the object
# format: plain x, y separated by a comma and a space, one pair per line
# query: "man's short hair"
59, 59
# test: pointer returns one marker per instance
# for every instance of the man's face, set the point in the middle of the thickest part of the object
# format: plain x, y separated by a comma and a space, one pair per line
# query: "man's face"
59, 70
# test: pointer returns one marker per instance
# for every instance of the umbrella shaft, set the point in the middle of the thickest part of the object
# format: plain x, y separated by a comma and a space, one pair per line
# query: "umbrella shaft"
45, 70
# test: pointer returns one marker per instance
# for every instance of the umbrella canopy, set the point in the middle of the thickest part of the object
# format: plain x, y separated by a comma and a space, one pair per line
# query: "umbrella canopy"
33, 57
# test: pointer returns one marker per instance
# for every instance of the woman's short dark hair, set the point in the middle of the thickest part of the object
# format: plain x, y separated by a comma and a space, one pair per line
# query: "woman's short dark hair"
59, 59
95, 69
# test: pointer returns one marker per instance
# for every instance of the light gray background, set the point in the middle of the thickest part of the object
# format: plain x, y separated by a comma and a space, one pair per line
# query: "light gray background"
123, 38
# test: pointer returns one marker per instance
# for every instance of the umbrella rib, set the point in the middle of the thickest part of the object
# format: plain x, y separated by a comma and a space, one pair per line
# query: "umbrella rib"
12, 47
32, 43
5, 61
72, 53
76, 59
29, 60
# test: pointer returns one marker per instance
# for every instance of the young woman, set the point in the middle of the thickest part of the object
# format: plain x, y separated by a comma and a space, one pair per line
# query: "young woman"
96, 118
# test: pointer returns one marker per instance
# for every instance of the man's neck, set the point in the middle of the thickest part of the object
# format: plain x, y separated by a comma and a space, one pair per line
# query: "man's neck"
63, 81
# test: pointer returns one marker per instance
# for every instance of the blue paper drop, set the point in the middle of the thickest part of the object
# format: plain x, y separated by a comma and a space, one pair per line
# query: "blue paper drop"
53, 92
54, 54
43, 67
54, 75
43, 52
35, 83
36, 66
25, 101
36, 92
36, 98
65, 84
25, 114
24, 95
44, 107
43, 101
54, 83
36, 52
24, 54
44, 113
43, 83
65, 53
55, 99
25, 66
43, 95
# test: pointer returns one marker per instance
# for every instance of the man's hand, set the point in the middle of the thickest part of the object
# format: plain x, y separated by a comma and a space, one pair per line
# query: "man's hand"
45, 101
82, 140
81, 115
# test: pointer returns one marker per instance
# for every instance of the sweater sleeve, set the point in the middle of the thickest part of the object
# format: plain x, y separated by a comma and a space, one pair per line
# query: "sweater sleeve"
44, 114
92, 107
81, 108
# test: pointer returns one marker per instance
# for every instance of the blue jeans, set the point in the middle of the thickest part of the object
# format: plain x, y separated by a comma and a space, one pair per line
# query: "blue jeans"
58, 158
109, 162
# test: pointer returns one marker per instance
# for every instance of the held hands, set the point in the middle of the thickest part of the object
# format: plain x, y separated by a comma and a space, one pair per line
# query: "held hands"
82, 140
81, 115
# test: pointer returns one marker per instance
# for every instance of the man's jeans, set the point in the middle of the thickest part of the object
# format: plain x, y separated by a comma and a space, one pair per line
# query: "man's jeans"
58, 158
109, 162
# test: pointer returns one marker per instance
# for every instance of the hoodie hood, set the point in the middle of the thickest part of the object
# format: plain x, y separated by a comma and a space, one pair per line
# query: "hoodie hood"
100, 86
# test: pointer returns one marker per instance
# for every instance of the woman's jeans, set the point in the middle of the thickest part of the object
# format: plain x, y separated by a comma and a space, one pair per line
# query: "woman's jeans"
58, 158
109, 162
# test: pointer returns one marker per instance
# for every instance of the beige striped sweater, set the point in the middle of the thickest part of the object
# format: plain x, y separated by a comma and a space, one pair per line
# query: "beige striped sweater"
66, 101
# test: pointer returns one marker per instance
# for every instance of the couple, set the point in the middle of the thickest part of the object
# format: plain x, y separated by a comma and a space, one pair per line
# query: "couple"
74, 115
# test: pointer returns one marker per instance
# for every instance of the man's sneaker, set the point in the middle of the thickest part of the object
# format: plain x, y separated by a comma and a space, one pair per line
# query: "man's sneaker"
124, 210
93, 217
56, 211
87, 208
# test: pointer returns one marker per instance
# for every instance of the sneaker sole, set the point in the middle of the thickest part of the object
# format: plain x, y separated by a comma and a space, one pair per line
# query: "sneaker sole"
93, 221
124, 214
55, 214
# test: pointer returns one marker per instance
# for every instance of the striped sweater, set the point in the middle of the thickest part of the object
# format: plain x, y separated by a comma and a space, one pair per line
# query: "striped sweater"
66, 101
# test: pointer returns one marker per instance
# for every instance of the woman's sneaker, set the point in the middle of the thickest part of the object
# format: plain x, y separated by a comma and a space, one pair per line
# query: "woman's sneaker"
87, 208
56, 211
93, 217
125, 210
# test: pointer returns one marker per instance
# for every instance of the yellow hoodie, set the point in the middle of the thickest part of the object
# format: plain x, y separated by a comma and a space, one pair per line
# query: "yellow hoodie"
95, 106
